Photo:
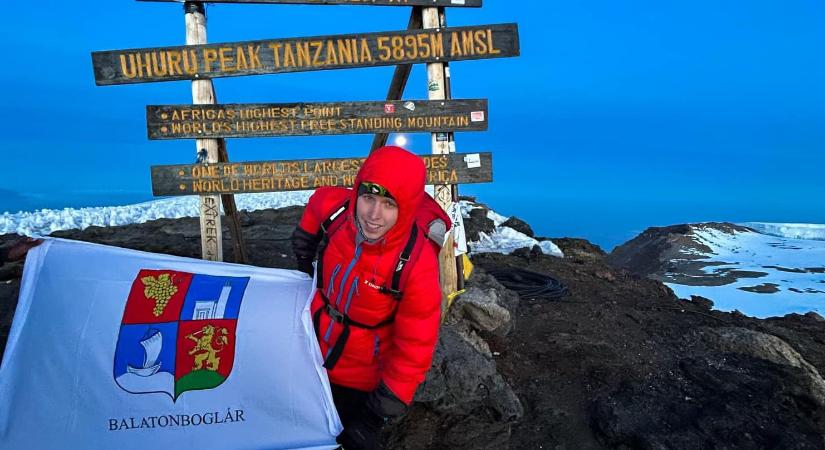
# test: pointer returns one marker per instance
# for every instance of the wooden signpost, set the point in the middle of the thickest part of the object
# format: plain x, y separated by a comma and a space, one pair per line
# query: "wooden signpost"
443, 193
344, 51
207, 149
312, 119
303, 174
426, 40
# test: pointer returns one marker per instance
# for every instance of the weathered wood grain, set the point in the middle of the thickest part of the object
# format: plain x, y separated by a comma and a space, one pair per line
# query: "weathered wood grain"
302, 174
203, 93
304, 54
311, 119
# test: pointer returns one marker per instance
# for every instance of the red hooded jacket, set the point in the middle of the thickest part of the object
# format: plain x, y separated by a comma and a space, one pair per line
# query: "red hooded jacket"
398, 354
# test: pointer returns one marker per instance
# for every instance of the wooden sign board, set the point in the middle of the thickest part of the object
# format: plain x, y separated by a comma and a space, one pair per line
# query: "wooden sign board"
430, 3
304, 54
311, 119
303, 174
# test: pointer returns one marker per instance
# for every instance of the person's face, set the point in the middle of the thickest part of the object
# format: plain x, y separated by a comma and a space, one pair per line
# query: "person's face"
376, 214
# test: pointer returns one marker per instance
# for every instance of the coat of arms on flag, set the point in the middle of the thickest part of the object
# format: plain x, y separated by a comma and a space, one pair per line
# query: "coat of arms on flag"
178, 332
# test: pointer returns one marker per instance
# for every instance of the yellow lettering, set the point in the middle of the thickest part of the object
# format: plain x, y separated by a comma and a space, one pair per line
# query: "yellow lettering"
354, 44
159, 69
365, 51
316, 55
411, 47
493, 50
144, 63
289, 56
173, 61
467, 42
226, 59
424, 49
254, 56
480, 42
190, 62
241, 64
129, 71
210, 55
437, 45
455, 47
302, 49
345, 50
397, 48
386, 53
275, 54
332, 57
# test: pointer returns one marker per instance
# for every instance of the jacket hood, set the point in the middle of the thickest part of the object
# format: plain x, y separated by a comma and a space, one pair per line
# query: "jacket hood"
403, 174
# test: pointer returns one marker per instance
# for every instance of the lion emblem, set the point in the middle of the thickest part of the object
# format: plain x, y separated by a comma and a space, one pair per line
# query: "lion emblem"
209, 341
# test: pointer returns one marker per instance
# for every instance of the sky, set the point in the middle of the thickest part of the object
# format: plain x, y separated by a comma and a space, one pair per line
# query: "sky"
617, 116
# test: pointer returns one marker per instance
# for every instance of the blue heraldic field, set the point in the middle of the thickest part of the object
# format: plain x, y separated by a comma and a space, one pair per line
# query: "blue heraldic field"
178, 332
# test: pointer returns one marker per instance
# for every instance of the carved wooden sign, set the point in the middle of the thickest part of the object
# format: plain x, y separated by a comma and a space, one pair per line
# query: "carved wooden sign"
310, 119
304, 54
302, 174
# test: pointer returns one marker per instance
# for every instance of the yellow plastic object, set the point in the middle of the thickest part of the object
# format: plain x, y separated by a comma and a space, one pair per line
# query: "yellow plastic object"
450, 299
468, 266
467, 270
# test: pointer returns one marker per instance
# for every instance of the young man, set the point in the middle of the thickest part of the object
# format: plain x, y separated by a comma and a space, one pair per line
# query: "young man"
377, 308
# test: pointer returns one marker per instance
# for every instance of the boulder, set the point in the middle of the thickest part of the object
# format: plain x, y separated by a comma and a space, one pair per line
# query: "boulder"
463, 379
476, 223
519, 225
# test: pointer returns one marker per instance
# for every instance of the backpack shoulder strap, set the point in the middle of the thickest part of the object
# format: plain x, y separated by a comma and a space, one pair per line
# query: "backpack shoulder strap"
408, 256
328, 227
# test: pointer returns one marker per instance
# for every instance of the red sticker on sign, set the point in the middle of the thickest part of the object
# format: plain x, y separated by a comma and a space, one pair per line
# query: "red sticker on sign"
477, 116
389, 108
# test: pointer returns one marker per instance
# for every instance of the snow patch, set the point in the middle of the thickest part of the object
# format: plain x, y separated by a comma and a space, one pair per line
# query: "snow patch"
506, 240
497, 218
503, 239
794, 268
45, 221
812, 231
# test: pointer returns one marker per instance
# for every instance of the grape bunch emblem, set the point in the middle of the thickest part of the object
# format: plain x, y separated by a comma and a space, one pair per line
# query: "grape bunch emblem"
160, 290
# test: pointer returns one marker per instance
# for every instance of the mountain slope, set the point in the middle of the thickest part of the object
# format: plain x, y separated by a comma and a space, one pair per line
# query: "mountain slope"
736, 267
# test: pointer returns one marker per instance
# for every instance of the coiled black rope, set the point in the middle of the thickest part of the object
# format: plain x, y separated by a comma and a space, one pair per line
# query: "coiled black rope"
528, 284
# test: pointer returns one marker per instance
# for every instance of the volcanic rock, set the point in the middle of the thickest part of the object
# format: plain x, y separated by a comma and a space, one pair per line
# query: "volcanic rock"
518, 225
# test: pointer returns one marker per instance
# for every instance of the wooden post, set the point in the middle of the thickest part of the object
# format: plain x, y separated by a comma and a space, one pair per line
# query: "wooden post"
202, 93
231, 211
448, 94
436, 90
399, 79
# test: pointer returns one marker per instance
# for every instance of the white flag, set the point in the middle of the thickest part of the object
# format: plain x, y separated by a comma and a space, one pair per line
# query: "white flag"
120, 349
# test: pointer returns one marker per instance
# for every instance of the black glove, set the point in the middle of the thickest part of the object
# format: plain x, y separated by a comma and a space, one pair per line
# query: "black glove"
305, 265
362, 431
305, 246
383, 403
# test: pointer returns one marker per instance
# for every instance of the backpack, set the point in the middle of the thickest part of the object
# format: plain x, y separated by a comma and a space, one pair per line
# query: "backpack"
411, 252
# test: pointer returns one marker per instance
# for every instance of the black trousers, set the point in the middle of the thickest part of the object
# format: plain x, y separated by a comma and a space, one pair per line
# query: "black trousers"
348, 401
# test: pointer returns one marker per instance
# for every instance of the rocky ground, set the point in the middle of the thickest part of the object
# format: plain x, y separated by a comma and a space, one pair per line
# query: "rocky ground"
618, 362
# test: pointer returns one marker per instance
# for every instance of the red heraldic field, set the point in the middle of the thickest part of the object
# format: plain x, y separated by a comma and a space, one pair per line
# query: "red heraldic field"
178, 332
